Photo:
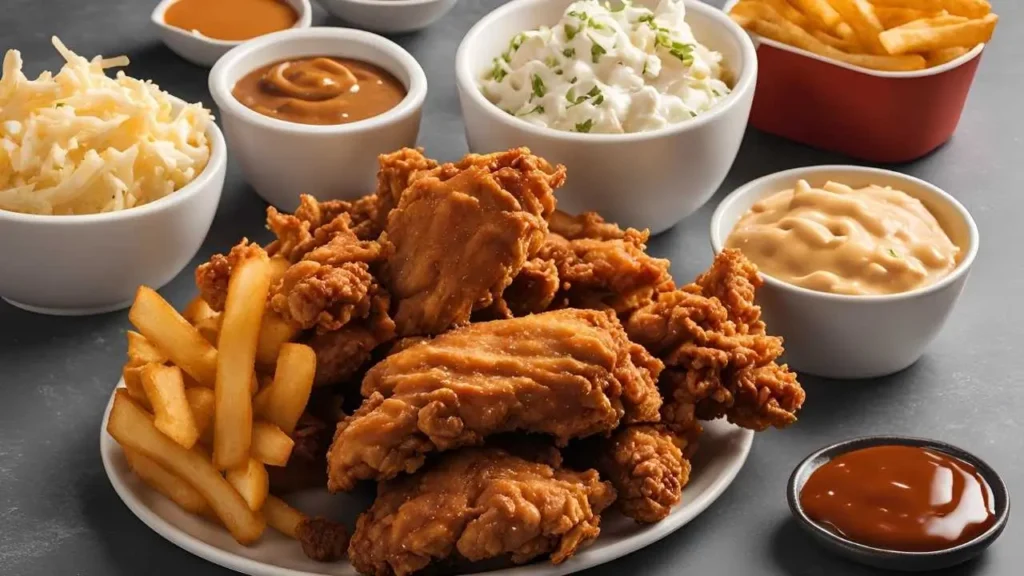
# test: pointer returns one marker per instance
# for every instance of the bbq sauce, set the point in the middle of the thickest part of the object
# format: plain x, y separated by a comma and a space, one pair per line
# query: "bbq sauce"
900, 498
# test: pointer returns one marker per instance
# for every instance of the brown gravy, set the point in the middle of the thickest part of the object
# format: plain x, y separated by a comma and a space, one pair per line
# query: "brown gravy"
900, 498
320, 90
231, 19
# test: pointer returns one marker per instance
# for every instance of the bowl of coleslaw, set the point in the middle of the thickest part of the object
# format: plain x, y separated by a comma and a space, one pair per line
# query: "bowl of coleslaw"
106, 184
645, 102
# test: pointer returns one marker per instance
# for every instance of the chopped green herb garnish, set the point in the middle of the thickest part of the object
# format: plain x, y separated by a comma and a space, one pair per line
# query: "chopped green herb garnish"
498, 72
572, 80
551, 62
715, 93
893, 253
644, 72
538, 86
581, 15
569, 52
585, 126
571, 31
536, 109
622, 6
680, 50
649, 20
594, 95
559, 72
513, 45
596, 51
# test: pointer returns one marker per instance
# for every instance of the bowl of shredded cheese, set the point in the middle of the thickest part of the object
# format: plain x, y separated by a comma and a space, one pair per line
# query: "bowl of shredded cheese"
106, 183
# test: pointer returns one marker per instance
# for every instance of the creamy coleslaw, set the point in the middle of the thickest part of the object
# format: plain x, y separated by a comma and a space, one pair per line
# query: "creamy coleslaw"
608, 69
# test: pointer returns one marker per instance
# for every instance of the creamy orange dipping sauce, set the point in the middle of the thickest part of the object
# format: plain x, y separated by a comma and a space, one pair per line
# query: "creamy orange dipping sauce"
837, 239
231, 19
320, 90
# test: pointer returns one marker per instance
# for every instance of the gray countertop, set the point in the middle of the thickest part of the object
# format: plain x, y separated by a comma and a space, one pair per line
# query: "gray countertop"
60, 516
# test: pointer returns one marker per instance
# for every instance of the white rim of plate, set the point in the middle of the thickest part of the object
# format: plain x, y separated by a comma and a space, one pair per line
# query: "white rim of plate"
588, 558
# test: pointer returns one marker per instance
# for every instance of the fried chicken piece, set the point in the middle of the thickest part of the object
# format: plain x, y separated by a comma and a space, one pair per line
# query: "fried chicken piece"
332, 284
322, 540
648, 469
478, 504
307, 465
459, 242
568, 374
532, 291
721, 362
602, 266
341, 354
397, 171
212, 276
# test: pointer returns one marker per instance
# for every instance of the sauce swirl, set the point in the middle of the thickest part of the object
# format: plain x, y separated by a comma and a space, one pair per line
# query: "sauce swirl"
319, 90
871, 240
231, 19
900, 498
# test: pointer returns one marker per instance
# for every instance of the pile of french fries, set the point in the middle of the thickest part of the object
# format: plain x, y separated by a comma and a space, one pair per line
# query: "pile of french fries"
192, 421
893, 35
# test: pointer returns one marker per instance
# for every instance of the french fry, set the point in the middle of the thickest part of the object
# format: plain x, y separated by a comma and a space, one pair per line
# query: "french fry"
201, 403
142, 351
926, 5
282, 517
274, 332
278, 266
788, 33
940, 57
891, 17
270, 445
132, 376
907, 38
940, 19
968, 8
209, 327
820, 12
243, 312
837, 43
787, 11
283, 402
175, 489
197, 308
131, 427
860, 15
252, 482
166, 393
161, 324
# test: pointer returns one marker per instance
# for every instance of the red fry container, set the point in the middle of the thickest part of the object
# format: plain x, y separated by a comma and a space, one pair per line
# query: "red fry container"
885, 117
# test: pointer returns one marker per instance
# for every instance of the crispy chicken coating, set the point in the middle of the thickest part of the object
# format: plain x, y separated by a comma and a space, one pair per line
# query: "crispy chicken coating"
721, 362
212, 276
567, 374
342, 354
323, 540
478, 504
458, 242
645, 464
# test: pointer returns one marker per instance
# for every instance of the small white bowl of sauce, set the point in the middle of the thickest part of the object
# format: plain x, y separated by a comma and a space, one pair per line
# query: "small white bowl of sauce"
201, 31
389, 16
309, 111
858, 279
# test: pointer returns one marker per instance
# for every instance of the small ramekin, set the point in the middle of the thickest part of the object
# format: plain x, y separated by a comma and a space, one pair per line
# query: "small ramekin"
843, 336
872, 115
203, 51
644, 180
93, 263
389, 16
282, 160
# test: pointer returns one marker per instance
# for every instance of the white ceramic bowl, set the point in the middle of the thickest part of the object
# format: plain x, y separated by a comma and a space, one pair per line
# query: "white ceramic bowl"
199, 49
389, 16
841, 336
644, 180
282, 160
89, 264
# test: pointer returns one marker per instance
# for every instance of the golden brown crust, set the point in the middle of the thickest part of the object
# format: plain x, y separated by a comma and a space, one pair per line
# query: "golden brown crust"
647, 468
479, 504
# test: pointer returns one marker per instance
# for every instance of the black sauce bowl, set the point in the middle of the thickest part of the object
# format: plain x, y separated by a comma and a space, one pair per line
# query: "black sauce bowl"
897, 559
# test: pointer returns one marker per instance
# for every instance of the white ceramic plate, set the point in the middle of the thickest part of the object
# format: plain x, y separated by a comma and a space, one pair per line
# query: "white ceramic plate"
723, 450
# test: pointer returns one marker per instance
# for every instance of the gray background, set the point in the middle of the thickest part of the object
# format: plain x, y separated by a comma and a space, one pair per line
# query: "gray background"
59, 515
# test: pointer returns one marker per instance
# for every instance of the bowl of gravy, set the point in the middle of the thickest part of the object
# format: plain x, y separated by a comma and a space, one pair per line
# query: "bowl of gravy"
862, 266
308, 111
899, 503
201, 31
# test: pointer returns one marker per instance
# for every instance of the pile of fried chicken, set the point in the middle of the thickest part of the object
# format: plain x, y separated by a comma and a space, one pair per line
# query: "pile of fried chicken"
489, 335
